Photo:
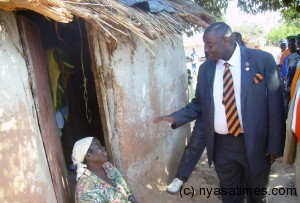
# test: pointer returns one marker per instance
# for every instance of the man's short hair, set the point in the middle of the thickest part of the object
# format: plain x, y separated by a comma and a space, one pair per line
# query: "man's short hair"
220, 28
291, 37
237, 35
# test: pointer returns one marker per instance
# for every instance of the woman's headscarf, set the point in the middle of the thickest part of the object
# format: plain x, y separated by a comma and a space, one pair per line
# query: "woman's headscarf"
79, 151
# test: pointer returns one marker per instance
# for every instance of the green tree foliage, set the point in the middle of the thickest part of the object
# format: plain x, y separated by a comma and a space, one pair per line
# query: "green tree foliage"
291, 14
214, 6
290, 9
249, 31
284, 30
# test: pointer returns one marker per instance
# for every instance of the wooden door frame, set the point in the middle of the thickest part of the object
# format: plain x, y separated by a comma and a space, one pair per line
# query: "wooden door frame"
41, 91
97, 69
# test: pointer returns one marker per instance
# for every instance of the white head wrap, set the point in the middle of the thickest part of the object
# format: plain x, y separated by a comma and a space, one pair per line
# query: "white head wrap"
79, 151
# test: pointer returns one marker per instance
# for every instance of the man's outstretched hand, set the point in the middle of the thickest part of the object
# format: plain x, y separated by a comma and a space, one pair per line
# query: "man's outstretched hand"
167, 118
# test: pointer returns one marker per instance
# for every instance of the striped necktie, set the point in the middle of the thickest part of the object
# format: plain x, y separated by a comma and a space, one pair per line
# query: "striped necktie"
232, 117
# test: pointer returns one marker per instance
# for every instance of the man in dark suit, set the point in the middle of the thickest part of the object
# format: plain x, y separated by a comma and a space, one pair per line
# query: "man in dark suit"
239, 111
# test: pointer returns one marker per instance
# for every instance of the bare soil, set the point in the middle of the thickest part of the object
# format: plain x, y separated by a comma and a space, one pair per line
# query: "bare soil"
282, 178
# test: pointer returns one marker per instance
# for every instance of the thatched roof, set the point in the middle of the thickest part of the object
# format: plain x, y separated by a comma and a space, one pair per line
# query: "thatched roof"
112, 16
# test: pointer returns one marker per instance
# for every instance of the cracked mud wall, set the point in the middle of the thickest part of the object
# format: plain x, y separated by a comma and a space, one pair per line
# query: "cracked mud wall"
25, 169
141, 85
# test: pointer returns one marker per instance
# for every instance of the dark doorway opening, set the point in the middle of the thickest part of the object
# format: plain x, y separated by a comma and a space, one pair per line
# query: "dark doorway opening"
77, 103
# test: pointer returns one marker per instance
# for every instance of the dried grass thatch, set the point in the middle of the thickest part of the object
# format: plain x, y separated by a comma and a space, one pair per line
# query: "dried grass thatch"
112, 16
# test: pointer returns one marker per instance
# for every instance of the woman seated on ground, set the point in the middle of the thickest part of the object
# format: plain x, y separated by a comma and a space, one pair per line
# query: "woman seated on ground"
98, 179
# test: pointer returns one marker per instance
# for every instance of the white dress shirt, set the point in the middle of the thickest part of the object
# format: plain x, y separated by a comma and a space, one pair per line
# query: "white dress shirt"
220, 122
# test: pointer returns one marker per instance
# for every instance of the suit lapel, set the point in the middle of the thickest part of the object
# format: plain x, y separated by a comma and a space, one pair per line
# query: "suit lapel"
211, 77
246, 70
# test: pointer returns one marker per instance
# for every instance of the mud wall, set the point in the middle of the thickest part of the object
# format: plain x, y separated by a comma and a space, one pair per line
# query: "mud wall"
24, 174
141, 83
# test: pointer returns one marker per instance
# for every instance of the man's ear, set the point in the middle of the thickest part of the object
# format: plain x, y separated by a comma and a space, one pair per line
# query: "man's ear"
227, 39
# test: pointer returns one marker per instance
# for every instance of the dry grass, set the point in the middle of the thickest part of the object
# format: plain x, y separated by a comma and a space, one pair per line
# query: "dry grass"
113, 17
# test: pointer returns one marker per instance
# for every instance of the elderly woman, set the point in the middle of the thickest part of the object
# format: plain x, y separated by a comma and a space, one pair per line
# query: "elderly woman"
98, 180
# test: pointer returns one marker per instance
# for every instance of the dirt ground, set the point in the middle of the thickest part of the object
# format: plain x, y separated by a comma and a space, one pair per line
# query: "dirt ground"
281, 178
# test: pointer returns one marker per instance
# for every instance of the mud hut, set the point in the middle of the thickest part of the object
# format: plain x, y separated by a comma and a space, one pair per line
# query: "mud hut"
119, 63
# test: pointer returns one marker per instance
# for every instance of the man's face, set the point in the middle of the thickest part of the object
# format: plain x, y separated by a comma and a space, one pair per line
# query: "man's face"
282, 47
214, 45
292, 46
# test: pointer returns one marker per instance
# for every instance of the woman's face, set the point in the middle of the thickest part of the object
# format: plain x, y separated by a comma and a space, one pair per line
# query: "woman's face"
97, 152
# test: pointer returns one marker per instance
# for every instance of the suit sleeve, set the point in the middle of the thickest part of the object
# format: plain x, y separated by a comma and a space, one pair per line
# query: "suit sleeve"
190, 112
276, 115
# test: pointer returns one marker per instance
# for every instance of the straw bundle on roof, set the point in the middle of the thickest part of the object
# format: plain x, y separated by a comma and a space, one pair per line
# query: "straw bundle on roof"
112, 16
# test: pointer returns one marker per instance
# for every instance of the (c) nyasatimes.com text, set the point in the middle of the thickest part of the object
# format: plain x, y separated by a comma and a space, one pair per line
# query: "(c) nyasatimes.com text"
207, 192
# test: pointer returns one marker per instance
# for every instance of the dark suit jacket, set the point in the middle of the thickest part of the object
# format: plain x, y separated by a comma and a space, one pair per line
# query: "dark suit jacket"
261, 105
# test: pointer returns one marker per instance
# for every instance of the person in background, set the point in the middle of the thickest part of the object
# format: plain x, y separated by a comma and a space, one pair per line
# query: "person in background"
99, 181
239, 112
283, 47
284, 54
292, 141
194, 58
238, 38
288, 69
292, 61
297, 73
191, 155
292, 48
191, 84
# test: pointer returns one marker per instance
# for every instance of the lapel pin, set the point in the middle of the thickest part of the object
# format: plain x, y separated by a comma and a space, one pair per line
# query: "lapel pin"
247, 64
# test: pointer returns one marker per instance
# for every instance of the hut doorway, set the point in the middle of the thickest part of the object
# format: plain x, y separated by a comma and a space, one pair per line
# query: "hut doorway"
67, 106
